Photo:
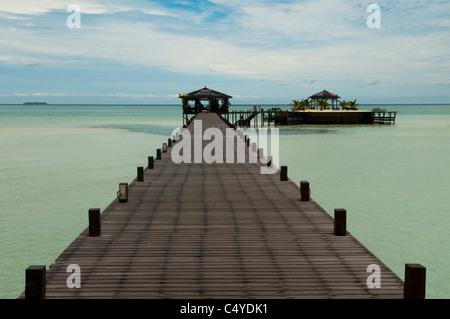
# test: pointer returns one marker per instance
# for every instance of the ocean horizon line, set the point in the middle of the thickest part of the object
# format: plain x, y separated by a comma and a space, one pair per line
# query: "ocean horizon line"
173, 104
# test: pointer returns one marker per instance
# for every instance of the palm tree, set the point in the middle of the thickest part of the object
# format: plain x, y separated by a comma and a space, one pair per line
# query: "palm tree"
343, 104
295, 104
323, 104
353, 105
305, 104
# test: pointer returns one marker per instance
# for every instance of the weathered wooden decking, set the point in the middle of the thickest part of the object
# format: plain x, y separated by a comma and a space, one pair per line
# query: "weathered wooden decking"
217, 231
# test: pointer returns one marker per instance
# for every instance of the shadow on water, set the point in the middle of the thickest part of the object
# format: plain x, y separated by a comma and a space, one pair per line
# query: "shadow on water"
163, 130
308, 130
166, 130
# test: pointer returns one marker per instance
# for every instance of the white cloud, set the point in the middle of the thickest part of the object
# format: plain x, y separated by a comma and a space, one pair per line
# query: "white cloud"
9, 16
327, 40
44, 6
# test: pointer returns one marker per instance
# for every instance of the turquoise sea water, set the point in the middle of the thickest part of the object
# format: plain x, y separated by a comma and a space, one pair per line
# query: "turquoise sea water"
57, 161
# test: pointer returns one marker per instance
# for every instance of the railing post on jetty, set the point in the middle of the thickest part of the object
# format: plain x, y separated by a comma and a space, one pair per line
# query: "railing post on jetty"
305, 191
164, 147
340, 222
151, 162
414, 285
158, 154
95, 228
35, 282
140, 174
169, 142
122, 194
269, 160
283, 173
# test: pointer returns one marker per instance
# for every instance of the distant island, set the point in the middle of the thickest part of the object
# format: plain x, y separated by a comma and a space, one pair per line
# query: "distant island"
35, 103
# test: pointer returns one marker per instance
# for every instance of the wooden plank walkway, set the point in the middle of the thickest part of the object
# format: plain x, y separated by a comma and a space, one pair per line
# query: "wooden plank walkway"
217, 231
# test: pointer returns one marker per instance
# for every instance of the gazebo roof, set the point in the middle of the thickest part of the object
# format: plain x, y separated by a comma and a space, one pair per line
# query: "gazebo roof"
324, 95
205, 93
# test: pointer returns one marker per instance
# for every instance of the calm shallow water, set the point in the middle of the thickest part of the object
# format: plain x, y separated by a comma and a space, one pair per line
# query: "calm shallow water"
57, 161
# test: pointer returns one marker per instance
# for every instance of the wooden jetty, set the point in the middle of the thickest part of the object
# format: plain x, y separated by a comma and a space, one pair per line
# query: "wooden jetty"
221, 230
276, 116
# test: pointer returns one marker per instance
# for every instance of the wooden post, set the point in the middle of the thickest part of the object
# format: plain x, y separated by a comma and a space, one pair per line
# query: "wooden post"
340, 222
269, 161
283, 173
305, 191
95, 228
414, 285
122, 194
158, 154
35, 282
140, 174
151, 162
169, 142
164, 147
248, 142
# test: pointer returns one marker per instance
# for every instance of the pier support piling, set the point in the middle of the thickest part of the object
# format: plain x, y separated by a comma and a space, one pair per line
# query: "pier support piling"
122, 194
151, 162
95, 228
283, 173
158, 154
35, 282
415, 278
140, 174
305, 191
340, 222
269, 160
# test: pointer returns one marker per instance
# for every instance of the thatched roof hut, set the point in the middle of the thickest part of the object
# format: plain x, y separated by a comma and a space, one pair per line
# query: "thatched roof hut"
325, 95
210, 95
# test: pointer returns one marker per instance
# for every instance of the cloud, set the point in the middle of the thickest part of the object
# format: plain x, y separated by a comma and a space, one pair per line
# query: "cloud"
36, 7
298, 43
9, 16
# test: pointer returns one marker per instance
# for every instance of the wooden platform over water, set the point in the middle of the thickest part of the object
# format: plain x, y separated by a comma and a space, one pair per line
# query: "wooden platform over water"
217, 231
261, 117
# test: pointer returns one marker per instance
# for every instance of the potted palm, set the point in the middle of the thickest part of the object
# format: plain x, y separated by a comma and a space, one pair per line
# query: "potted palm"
323, 104
295, 104
343, 104
305, 104
353, 105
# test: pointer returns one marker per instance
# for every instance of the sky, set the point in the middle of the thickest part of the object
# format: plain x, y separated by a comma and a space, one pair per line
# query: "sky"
258, 51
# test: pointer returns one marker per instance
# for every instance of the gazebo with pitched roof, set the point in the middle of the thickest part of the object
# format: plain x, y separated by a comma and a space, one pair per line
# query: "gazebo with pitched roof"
325, 95
205, 94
